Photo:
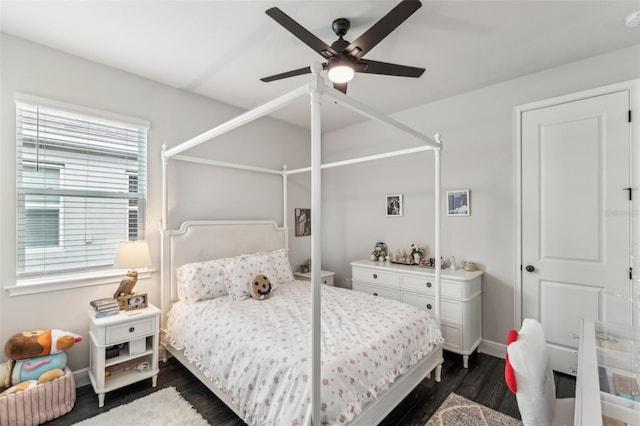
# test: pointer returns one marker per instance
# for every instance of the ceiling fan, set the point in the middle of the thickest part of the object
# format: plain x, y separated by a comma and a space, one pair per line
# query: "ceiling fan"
345, 58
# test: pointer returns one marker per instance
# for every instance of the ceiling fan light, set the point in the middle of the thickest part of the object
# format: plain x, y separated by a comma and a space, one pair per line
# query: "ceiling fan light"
341, 73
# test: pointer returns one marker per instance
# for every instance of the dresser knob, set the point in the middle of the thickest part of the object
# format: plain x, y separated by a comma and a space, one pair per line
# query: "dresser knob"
131, 329
429, 285
375, 294
375, 275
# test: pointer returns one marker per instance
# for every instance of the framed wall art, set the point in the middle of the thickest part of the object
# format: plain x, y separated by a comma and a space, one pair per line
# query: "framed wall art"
303, 222
394, 205
458, 203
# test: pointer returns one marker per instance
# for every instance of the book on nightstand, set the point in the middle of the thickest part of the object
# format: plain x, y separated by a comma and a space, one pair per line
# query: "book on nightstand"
104, 307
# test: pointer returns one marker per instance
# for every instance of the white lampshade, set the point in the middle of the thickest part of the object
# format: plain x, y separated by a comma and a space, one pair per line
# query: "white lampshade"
341, 73
132, 254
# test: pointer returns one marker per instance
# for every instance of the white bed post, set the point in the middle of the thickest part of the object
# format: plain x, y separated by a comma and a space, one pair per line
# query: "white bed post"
436, 153
285, 198
316, 83
165, 268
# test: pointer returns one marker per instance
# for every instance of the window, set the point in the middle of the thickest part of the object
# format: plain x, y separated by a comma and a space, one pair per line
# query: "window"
81, 186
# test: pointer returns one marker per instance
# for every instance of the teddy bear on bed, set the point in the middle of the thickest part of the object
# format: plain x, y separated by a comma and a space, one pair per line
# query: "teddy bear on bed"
35, 357
260, 287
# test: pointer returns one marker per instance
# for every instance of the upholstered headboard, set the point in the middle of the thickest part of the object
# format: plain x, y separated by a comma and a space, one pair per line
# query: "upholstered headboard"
201, 240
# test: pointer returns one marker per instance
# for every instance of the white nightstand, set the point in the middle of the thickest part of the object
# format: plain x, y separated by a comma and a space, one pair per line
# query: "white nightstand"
138, 333
325, 276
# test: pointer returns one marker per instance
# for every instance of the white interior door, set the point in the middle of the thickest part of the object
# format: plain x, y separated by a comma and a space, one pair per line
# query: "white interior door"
575, 218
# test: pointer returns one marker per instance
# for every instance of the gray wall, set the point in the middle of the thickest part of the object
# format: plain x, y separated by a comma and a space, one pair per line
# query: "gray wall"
175, 116
478, 154
477, 130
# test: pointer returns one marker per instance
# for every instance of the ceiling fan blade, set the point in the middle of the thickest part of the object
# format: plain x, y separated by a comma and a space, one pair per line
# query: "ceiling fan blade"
382, 28
293, 73
385, 68
301, 33
341, 87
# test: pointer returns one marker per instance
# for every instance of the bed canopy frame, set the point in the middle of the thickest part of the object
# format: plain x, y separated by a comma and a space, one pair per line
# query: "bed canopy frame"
315, 88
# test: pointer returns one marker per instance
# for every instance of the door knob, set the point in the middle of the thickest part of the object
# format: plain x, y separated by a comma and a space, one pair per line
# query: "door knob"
530, 268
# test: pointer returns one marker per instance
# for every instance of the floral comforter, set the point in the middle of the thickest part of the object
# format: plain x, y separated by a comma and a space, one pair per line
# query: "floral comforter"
258, 352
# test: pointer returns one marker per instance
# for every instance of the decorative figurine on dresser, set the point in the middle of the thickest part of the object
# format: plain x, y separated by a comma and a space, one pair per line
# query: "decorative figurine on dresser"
415, 284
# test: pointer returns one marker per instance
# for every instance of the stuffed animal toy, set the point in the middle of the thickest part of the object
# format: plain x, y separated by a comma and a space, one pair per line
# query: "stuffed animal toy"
260, 287
39, 369
35, 357
39, 342
20, 387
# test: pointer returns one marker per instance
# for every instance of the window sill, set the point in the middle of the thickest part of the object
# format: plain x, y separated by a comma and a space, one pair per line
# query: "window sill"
71, 281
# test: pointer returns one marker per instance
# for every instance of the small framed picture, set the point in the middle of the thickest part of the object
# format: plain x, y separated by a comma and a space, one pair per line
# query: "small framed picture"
135, 301
458, 203
394, 205
303, 222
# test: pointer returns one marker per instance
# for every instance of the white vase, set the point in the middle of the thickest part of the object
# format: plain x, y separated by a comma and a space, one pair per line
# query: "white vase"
416, 258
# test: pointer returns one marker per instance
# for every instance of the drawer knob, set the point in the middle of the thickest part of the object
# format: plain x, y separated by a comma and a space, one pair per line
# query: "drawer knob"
375, 275
428, 305
429, 285
375, 294
132, 329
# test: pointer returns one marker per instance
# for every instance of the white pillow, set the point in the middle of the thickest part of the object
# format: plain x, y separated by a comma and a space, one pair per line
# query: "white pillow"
281, 265
202, 280
241, 271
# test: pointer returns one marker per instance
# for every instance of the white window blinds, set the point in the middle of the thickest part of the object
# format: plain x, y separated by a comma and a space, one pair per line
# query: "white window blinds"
81, 188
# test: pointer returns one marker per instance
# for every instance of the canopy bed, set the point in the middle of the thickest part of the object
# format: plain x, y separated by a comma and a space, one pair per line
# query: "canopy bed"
188, 251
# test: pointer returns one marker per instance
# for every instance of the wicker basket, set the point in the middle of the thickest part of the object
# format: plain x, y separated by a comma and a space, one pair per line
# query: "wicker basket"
40, 404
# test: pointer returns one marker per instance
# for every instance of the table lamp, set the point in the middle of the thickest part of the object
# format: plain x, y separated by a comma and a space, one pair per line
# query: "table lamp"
130, 254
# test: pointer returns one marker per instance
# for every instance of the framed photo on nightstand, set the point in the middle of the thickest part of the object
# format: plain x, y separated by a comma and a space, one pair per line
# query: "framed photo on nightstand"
135, 301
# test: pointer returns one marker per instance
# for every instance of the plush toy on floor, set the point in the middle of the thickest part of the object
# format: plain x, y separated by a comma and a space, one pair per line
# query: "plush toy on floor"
35, 357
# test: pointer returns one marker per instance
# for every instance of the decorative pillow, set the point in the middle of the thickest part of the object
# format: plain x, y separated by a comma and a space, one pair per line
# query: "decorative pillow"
241, 271
202, 280
283, 272
260, 287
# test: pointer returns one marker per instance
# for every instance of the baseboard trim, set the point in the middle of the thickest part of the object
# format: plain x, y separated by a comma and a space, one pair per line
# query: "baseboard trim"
81, 377
496, 349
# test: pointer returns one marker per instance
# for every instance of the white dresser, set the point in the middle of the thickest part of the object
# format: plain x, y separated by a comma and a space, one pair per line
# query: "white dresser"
460, 306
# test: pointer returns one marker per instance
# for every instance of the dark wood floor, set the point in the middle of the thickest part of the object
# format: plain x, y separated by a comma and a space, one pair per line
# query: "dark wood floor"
482, 382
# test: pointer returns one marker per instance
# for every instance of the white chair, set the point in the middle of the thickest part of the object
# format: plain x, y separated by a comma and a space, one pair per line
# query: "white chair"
533, 383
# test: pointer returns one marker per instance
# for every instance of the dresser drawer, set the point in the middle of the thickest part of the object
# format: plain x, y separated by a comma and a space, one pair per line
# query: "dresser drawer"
374, 276
426, 285
452, 338
128, 331
376, 291
450, 311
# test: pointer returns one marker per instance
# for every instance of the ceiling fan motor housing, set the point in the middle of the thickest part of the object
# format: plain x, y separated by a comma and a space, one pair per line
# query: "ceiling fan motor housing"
340, 26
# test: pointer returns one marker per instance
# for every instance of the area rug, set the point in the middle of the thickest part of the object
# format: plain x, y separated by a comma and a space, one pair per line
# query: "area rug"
459, 411
162, 408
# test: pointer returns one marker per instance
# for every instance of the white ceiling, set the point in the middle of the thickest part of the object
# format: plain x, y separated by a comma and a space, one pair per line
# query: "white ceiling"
220, 49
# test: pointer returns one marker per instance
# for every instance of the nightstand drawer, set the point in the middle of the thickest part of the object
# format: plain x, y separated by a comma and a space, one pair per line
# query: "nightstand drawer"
129, 331
374, 276
328, 281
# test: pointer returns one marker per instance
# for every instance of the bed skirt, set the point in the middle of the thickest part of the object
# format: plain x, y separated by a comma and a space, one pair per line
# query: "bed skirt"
40, 404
